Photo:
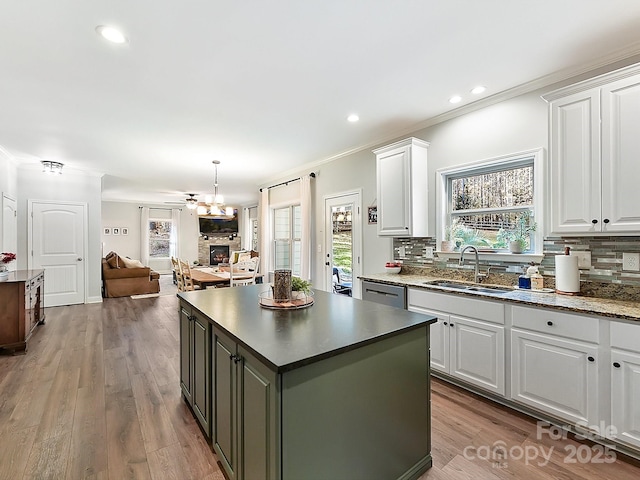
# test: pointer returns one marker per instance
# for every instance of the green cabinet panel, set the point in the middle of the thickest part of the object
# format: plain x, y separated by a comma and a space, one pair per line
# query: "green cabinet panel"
202, 371
224, 437
195, 364
186, 342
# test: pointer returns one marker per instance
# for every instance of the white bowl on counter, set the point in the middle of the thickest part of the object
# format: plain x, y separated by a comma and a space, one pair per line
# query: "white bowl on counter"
392, 269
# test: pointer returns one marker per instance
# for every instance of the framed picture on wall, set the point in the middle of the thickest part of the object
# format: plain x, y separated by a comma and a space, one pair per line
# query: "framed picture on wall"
106, 231
115, 231
373, 215
124, 231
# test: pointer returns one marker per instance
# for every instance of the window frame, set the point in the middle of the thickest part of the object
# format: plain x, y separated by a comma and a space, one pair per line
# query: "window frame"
157, 219
535, 156
291, 239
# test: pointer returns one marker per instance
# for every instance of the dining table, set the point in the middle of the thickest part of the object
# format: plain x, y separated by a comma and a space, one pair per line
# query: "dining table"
218, 277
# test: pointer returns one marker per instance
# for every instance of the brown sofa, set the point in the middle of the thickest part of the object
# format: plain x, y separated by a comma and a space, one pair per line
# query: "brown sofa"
120, 281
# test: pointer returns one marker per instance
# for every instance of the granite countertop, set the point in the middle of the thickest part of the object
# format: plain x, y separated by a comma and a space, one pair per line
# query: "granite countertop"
288, 339
605, 307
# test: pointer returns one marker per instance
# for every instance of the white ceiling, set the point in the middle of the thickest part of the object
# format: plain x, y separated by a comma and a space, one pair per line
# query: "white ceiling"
266, 86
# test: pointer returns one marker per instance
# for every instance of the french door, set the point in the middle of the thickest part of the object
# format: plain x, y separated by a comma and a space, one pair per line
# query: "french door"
343, 243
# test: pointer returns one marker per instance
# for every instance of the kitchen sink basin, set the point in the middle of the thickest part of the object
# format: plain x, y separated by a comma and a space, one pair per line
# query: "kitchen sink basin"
466, 287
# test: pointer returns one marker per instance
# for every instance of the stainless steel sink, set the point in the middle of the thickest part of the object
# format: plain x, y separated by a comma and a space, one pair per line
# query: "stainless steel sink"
469, 287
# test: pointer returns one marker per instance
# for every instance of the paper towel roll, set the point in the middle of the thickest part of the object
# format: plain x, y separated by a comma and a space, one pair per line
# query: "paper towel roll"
567, 274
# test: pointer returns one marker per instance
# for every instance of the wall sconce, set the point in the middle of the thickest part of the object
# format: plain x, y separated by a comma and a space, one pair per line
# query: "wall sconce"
53, 168
232, 236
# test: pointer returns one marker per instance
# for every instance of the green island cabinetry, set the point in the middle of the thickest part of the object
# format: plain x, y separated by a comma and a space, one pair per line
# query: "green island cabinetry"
338, 390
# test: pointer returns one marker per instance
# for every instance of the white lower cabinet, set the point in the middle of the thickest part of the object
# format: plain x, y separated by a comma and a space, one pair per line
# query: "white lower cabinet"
469, 349
625, 383
625, 392
557, 376
554, 363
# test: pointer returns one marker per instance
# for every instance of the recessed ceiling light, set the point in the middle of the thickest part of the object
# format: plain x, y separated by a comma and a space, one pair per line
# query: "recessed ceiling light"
353, 118
455, 99
112, 34
478, 90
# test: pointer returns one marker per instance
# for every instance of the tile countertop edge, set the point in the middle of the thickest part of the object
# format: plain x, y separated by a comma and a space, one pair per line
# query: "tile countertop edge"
622, 310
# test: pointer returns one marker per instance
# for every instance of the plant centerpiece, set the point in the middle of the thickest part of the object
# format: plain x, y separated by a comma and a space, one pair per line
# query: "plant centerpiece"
5, 259
303, 287
518, 238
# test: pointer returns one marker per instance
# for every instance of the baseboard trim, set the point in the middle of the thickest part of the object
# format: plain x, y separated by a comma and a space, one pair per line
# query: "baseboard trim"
97, 299
418, 469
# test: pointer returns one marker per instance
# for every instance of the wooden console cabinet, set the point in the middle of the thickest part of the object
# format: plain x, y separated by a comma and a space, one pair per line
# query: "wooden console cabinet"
22, 300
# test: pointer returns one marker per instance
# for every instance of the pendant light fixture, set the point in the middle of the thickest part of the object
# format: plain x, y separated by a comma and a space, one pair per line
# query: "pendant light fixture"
213, 205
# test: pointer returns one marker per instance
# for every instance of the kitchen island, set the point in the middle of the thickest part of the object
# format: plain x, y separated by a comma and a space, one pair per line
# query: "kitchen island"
336, 390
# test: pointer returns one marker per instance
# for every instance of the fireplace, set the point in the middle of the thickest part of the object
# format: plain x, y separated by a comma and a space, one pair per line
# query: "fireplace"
218, 254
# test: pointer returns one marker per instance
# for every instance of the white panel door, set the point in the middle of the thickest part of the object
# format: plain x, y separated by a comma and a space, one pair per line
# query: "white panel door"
625, 392
557, 376
575, 163
620, 153
57, 236
438, 338
477, 353
9, 227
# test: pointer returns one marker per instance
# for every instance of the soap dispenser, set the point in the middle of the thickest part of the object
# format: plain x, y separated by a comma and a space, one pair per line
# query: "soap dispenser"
524, 281
537, 280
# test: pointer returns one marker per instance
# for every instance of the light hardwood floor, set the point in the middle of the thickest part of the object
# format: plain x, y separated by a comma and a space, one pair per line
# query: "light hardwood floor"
97, 396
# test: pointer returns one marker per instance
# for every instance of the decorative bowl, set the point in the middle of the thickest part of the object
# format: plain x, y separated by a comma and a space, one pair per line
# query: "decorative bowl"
392, 269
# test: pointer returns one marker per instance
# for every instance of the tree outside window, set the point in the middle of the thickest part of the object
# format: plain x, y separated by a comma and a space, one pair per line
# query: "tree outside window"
159, 238
486, 204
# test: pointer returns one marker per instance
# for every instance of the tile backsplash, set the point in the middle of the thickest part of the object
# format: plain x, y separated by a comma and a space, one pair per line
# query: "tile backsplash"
606, 256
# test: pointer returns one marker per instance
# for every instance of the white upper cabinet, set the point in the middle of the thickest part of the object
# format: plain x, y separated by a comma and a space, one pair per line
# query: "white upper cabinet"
402, 189
594, 150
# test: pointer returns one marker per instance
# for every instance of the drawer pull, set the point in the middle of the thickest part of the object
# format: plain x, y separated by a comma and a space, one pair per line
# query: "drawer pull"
550, 323
591, 359
616, 364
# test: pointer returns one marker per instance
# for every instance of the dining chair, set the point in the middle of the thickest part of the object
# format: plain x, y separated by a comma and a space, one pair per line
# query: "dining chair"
187, 281
244, 272
177, 271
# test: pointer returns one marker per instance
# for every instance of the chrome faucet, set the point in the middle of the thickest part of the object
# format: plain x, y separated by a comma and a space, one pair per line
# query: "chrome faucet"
476, 273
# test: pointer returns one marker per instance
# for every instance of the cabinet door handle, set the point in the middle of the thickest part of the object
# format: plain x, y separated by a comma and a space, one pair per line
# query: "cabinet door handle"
606, 220
616, 364
591, 359
550, 323
192, 318
451, 324
594, 221
445, 323
235, 358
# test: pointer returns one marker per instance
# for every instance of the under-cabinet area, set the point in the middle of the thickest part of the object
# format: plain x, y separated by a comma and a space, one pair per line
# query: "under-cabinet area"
309, 393
22, 300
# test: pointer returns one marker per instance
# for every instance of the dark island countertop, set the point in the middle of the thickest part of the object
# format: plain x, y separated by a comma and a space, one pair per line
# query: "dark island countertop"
288, 339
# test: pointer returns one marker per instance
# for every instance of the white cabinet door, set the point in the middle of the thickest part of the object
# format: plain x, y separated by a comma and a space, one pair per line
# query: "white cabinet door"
394, 193
477, 353
556, 376
575, 163
625, 392
402, 183
439, 338
620, 154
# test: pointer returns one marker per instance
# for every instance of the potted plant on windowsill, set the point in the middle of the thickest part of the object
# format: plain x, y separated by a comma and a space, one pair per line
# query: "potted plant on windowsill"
518, 238
451, 232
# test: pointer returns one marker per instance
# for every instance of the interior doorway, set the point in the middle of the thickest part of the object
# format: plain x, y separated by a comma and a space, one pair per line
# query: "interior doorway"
343, 243
57, 242
9, 227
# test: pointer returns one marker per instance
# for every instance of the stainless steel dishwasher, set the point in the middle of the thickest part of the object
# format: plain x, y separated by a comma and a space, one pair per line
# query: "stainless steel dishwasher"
391, 295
